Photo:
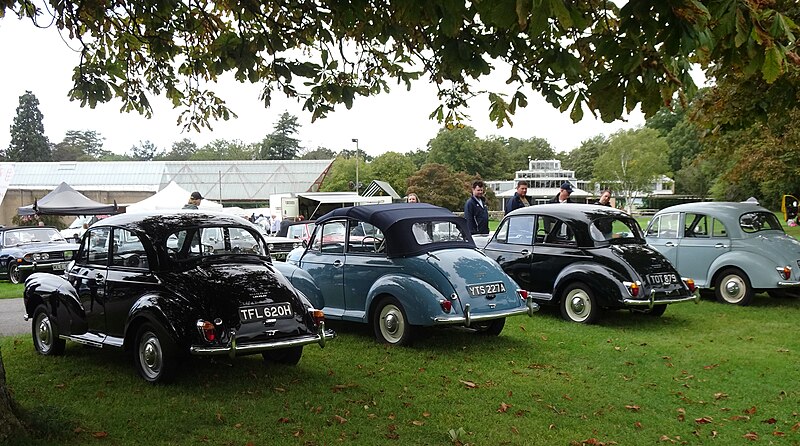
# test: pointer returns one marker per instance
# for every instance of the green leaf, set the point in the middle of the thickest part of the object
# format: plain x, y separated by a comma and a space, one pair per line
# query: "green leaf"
773, 64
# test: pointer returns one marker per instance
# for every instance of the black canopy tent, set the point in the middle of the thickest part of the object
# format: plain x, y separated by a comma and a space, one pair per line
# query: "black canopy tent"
64, 200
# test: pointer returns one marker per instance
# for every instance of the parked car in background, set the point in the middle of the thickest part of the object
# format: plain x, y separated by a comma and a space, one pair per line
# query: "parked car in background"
29, 249
737, 249
149, 284
301, 230
585, 259
76, 229
402, 266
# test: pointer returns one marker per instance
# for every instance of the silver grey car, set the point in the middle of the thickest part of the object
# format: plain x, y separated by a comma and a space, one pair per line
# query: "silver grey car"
737, 249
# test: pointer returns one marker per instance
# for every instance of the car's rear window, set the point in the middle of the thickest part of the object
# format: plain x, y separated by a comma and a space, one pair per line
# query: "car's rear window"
436, 231
752, 222
216, 240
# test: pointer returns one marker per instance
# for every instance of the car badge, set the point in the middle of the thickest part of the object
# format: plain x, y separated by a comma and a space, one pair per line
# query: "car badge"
492, 306
268, 322
270, 332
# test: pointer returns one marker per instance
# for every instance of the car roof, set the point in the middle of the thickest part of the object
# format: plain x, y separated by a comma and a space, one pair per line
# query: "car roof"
161, 224
571, 211
719, 208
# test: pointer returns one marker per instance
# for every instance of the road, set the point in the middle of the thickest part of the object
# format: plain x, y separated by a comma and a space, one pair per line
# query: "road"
11, 322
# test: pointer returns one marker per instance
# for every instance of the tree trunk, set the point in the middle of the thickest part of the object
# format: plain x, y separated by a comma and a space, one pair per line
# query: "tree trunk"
9, 424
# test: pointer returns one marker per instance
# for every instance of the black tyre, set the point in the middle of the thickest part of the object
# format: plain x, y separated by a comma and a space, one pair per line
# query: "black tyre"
287, 356
656, 311
391, 324
45, 333
490, 328
733, 287
155, 354
14, 275
578, 304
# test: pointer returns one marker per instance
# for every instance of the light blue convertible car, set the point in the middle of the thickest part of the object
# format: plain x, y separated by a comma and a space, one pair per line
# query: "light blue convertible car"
736, 248
402, 266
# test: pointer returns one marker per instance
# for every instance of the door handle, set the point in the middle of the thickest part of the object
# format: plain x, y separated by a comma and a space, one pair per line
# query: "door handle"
720, 245
99, 278
524, 252
337, 263
669, 244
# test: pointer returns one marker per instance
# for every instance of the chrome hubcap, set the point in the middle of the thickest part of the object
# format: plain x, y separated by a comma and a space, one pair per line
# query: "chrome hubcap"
391, 323
44, 333
578, 305
733, 288
150, 355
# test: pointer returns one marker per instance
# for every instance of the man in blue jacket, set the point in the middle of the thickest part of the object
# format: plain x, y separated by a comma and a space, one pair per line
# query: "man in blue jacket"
475, 211
520, 199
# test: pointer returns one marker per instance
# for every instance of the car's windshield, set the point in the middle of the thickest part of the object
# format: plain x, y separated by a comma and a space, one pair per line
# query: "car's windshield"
436, 231
752, 222
32, 235
615, 229
215, 240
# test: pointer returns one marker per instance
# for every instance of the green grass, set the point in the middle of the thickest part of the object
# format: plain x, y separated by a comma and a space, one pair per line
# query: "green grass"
9, 290
704, 373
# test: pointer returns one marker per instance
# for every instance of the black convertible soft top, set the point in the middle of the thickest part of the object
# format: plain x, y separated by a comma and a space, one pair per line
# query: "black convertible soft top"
396, 220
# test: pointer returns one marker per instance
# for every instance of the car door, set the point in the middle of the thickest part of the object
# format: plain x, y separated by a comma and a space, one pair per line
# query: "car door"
88, 277
704, 239
512, 248
365, 262
324, 260
128, 277
662, 234
554, 248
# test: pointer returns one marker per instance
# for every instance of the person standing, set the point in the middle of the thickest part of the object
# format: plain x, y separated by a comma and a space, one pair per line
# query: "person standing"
563, 194
194, 201
605, 198
275, 225
475, 211
520, 198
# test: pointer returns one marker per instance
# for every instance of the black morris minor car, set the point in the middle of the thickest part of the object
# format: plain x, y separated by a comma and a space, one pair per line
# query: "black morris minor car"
29, 249
146, 283
586, 258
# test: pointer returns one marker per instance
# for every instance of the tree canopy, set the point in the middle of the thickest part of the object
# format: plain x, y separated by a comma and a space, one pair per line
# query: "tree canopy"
588, 55
28, 141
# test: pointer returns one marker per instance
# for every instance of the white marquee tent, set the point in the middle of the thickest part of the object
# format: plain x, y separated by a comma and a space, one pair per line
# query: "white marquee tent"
172, 196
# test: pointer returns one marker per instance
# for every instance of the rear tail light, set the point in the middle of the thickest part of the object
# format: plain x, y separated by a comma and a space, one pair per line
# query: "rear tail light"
446, 305
690, 283
207, 330
318, 316
523, 294
633, 288
785, 272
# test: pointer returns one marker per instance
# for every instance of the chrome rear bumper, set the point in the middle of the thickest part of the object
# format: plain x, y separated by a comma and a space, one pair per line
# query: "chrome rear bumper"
233, 349
468, 318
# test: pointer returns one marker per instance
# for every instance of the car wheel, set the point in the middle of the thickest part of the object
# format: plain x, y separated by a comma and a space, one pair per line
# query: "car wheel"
288, 356
579, 305
733, 287
14, 275
45, 333
490, 328
391, 324
155, 356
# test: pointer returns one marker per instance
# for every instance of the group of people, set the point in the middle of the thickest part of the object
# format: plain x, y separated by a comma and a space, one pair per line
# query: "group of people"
271, 225
476, 211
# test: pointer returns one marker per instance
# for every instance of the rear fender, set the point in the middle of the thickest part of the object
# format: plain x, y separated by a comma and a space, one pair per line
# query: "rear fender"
303, 281
606, 287
154, 308
419, 299
61, 300
760, 270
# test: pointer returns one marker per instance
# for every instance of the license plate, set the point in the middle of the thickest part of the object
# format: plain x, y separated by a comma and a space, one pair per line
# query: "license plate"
663, 278
59, 266
268, 311
486, 288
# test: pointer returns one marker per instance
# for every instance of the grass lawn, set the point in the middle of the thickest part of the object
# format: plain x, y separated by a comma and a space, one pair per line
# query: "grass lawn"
9, 290
704, 373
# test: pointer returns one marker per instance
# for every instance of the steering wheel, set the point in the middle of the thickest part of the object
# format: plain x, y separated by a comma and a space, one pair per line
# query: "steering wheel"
377, 243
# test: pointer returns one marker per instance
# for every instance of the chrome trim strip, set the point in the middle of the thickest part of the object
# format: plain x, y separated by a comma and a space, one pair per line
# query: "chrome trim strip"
233, 349
789, 284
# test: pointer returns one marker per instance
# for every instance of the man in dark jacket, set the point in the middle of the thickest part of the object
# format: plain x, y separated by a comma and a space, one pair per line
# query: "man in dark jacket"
520, 199
563, 194
605, 198
475, 211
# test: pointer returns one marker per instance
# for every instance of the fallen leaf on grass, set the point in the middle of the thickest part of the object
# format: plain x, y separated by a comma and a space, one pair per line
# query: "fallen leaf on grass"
703, 420
469, 384
632, 407
751, 436
778, 434
567, 397
770, 421
418, 423
637, 425
100, 434
514, 430
665, 438
503, 407
720, 395
750, 411
522, 328
426, 414
340, 387
284, 420
712, 366
340, 420
795, 427
739, 418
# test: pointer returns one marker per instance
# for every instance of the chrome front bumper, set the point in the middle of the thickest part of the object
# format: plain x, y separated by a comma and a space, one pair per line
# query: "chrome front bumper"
468, 318
233, 349
34, 267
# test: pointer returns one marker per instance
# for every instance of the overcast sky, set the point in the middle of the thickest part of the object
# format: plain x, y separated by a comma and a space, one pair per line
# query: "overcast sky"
38, 60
